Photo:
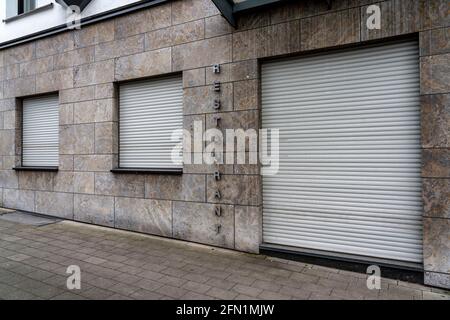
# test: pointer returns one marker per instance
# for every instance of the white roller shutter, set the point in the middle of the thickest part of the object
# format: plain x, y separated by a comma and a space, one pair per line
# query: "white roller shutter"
40, 140
350, 152
150, 111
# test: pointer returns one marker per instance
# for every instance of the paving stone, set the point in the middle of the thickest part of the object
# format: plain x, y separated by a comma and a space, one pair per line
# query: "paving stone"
196, 277
173, 292
435, 74
151, 275
267, 285
320, 296
94, 209
102, 283
247, 290
40, 275
148, 284
196, 296
97, 294
144, 215
119, 297
221, 294
11, 293
158, 18
68, 296
145, 295
217, 26
123, 289
150, 269
298, 293
196, 287
20, 53
144, 64
435, 296
10, 278
46, 291
356, 294
190, 55
18, 257
270, 295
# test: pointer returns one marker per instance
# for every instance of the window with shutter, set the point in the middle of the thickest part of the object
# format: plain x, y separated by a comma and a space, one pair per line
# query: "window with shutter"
40, 132
150, 112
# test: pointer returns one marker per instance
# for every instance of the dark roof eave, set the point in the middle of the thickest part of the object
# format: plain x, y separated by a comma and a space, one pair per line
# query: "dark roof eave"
226, 8
229, 9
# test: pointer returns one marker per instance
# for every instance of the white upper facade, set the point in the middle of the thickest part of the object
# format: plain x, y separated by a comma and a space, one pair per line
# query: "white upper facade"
47, 18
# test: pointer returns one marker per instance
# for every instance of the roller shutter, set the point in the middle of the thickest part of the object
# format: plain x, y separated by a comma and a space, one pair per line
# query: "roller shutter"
350, 152
40, 137
150, 111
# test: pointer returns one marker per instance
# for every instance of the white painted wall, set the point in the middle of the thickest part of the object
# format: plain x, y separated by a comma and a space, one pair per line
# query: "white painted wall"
49, 18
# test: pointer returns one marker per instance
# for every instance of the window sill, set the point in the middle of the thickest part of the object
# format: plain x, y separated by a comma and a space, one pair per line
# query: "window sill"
148, 171
47, 169
26, 14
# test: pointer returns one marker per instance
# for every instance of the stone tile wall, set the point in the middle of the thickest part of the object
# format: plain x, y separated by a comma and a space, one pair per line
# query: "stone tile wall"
189, 36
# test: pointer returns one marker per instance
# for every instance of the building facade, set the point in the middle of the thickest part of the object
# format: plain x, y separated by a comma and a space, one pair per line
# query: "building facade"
363, 114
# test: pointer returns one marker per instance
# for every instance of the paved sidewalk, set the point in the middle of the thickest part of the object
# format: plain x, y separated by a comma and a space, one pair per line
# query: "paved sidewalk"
124, 265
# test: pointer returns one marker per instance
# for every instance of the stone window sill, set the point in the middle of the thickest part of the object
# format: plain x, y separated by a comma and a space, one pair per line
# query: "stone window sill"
148, 171
47, 169
26, 14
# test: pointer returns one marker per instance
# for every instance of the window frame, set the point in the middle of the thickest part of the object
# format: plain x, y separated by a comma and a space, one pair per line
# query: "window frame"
118, 169
17, 15
21, 6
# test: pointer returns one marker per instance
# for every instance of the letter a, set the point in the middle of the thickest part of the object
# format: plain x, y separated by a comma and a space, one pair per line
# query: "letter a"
374, 20
74, 281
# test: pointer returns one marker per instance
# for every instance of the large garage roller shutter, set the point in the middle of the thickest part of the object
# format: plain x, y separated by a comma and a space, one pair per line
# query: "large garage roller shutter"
350, 152
40, 140
150, 111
